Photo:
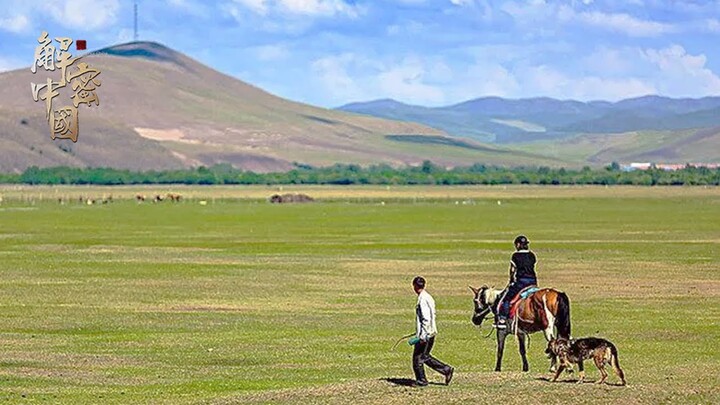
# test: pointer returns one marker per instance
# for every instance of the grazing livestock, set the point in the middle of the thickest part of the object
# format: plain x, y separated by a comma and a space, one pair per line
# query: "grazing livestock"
290, 198
174, 197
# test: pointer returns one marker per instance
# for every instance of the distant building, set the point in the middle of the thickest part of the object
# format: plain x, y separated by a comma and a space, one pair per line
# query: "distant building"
667, 166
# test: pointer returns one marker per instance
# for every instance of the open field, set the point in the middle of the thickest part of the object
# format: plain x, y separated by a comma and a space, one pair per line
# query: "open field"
355, 194
241, 301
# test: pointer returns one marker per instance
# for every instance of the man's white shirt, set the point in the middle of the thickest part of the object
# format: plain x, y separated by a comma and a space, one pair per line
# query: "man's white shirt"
425, 316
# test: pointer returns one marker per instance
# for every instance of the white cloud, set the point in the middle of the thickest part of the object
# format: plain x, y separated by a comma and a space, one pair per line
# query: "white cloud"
542, 15
125, 35
320, 8
257, 6
609, 61
486, 79
11, 64
462, 2
86, 14
548, 81
681, 74
76, 14
622, 23
272, 52
407, 81
332, 72
350, 77
606, 74
16, 24
410, 27
713, 25
189, 6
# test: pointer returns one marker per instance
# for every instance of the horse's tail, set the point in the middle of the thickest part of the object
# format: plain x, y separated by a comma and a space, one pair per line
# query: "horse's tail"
562, 317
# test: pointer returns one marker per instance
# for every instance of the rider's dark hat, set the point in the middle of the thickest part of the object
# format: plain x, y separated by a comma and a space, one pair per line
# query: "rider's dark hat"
522, 240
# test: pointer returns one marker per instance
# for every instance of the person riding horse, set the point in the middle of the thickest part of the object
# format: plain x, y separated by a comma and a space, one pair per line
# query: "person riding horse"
522, 275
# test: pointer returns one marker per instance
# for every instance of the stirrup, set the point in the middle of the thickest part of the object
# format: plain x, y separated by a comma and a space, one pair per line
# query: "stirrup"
500, 324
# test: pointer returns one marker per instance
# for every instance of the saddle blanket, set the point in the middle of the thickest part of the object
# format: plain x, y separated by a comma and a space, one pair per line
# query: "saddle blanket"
528, 292
515, 303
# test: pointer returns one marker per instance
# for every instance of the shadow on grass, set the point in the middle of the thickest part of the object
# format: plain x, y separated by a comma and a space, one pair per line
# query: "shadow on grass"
547, 379
575, 381
404, 382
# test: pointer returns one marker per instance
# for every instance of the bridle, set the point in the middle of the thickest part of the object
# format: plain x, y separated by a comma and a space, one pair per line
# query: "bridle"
480, 301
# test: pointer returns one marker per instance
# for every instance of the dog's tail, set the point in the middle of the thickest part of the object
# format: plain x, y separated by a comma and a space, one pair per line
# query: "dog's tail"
562, 317
615, 363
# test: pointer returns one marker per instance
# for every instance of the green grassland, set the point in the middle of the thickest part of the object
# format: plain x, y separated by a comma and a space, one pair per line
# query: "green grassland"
241, 301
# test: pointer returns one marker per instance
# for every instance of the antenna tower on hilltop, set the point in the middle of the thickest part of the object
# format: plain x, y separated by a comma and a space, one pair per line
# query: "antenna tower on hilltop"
135, 25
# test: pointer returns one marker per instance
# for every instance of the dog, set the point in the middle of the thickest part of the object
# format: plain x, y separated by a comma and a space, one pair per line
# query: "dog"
601, 351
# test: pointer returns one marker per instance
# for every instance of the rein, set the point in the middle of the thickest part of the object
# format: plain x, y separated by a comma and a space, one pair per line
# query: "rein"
489, 333
483, 314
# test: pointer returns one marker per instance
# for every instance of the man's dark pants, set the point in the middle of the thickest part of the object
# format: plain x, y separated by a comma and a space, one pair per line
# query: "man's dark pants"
421, 355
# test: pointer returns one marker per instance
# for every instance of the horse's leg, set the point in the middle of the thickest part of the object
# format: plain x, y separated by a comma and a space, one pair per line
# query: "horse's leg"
501, 335
521, 346
549, 331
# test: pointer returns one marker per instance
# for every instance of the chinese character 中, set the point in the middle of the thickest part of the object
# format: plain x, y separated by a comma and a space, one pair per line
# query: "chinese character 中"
47, 96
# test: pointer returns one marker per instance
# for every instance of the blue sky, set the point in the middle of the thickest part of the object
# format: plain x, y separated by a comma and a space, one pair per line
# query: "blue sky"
428, 52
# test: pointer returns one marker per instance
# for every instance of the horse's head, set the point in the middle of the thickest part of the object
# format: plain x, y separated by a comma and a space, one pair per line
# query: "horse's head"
482, 307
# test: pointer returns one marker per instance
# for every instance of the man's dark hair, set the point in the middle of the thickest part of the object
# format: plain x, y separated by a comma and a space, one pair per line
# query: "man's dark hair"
522, 242
419, 282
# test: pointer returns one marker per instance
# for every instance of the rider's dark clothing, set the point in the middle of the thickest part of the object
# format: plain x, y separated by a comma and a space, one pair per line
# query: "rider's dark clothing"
522, 274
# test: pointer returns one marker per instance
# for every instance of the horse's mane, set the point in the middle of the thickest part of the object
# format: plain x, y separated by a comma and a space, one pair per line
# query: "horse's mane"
491, 294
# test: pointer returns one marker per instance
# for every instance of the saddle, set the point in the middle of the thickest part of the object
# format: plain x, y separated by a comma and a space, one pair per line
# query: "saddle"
523, 294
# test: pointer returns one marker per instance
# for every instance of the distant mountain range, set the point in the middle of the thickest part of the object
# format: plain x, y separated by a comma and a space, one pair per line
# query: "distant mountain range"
160, 109
506, 121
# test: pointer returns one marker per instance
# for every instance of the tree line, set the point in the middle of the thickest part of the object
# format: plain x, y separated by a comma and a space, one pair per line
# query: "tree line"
425, 174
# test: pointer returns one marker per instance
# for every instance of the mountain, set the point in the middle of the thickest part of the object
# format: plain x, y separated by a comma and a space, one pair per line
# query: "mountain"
683, 146
495, 119
160, 109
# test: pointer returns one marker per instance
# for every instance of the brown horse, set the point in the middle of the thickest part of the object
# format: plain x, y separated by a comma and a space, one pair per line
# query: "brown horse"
544, 310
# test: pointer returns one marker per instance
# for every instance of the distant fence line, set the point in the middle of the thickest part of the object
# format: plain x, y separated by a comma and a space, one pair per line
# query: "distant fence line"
425, 174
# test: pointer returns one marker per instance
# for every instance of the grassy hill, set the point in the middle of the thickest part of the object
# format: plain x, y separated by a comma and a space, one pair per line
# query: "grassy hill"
160, 109
685, 146
495, 119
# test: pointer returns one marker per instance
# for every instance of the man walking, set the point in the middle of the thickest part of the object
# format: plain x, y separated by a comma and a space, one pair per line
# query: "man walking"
425, 331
